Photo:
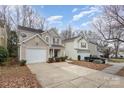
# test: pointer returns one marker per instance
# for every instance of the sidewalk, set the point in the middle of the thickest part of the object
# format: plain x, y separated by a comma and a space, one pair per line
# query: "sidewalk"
114, 68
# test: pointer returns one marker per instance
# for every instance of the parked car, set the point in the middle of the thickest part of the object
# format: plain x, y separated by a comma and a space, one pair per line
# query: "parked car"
93, 58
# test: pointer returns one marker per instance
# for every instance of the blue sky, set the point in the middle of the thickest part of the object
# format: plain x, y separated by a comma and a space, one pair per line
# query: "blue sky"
78, 16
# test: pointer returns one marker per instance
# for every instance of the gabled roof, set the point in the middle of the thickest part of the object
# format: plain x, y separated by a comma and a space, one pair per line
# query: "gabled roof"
50, 32
73, 38
33, 37
57, 46
54, 32
70, 39
30, 29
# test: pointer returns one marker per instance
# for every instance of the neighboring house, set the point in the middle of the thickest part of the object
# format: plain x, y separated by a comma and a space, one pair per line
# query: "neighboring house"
78, 46
37, 46
3, 34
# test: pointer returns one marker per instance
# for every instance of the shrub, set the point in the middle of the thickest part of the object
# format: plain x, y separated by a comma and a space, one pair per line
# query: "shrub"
22, 62
63, 58
98, 61
3, 54
66, 57
50, 60
57, 59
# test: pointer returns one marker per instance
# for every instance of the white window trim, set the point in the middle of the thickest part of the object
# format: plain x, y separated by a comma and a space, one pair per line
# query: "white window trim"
48, 39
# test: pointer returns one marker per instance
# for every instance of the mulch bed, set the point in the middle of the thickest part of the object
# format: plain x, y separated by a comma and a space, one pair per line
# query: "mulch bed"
17, 77
90, 65
121, 72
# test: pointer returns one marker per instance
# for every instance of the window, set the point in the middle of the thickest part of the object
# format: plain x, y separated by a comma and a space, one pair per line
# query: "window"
53, 40
57, 41
47, 39
83, 45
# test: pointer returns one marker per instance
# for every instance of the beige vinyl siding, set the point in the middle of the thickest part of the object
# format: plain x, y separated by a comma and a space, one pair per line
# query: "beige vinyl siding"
69, 50
93, 49
35, 42
3, 37
27, 33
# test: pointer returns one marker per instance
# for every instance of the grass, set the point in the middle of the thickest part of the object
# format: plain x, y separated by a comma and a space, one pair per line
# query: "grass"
90, 65
116, 60
16, 76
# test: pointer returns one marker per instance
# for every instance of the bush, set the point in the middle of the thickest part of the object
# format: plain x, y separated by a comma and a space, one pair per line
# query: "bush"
98, 61
3, 54
50, 60
63, 58
57, 59
22, 62
66, 57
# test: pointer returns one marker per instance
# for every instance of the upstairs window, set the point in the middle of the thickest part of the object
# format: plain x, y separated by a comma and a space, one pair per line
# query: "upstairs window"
47, 38
57, 41
53, 40
83, 45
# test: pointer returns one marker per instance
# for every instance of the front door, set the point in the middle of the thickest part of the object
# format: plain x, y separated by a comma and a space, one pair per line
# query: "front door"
55, 53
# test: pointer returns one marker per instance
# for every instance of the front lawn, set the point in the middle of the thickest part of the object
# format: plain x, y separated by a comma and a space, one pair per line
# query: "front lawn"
121, 72
16, 76
117, 60
91, 65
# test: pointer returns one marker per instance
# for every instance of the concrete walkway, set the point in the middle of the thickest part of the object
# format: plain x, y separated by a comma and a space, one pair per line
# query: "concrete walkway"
64, 75
114, 68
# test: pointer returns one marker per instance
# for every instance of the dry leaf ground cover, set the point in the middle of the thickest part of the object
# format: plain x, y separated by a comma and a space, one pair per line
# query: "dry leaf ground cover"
17, 77
90, 65
121, 72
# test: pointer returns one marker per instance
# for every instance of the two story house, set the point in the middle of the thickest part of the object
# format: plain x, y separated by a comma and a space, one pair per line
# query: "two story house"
78, 46
3, 34
37, 46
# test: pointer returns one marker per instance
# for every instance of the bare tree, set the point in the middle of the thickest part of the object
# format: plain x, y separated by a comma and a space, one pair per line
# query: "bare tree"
67, 33
109, 31
116, 12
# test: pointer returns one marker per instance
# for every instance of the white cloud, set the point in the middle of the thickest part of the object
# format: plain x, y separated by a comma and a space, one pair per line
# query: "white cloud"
54, 18
92, 14
86, 23
74, 10
84, 13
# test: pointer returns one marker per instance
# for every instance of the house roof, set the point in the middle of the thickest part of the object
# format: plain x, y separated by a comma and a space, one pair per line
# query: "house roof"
30, 29
73, 38
57, 46
50, 33
33, 37
70, 39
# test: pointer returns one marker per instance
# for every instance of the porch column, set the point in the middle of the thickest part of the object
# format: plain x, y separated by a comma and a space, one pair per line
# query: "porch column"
53, 53
49, 52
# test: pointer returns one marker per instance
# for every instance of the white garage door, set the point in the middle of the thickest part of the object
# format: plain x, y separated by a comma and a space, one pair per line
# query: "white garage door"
82, 55
36, 55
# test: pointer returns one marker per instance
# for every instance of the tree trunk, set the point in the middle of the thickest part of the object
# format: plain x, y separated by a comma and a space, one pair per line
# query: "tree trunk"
116, 48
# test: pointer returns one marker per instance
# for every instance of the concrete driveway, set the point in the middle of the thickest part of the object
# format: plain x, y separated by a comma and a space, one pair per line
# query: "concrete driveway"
64, 75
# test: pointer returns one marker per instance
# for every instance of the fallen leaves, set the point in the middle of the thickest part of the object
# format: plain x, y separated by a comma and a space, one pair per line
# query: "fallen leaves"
17, 77
90, 65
